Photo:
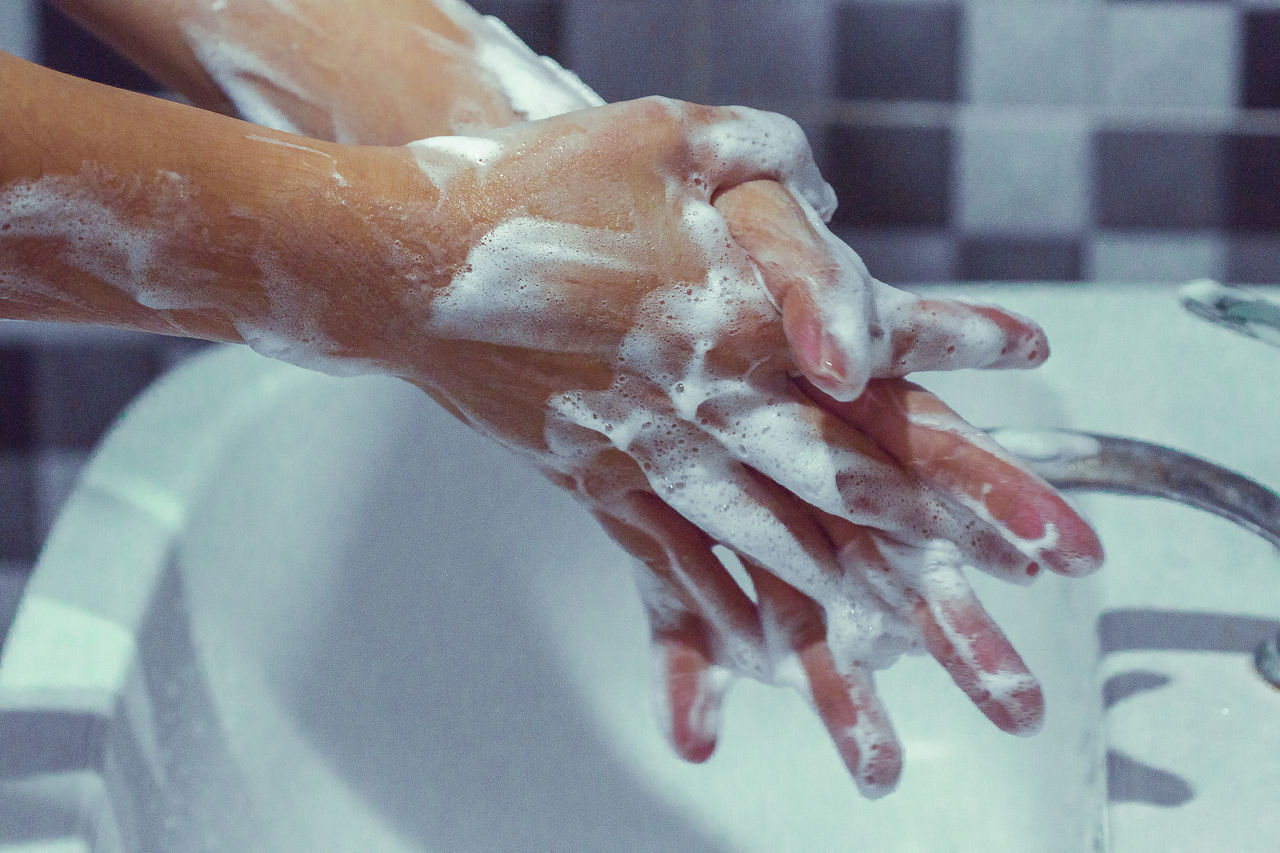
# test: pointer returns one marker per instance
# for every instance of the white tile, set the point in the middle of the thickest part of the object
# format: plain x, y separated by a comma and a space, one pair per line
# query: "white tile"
18, 29
1022, 175
1170, 55
1030, 53
1156, 257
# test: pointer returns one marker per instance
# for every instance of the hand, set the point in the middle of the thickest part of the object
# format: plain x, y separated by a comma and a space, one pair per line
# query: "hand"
612, 327
674, 413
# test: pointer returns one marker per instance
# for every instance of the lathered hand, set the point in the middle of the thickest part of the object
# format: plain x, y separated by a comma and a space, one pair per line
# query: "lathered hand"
307, 66
840, 326
610, 328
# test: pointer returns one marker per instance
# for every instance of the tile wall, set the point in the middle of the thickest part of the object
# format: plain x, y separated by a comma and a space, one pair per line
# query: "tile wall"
968, 139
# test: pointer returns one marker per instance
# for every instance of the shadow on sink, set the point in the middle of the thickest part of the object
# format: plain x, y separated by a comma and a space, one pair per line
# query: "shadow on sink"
1130, 780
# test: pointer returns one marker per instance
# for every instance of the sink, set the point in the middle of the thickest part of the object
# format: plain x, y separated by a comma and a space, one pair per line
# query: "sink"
284, 611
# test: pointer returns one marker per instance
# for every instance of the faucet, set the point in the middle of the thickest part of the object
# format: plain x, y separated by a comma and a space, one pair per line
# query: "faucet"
1084, 461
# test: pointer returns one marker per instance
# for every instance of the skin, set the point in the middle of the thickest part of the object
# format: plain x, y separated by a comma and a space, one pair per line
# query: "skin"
703, 624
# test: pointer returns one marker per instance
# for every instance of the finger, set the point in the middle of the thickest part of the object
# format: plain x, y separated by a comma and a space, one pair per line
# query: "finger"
739, 144
958, 632
688, 690
682, 576
823, 462
818, 283
843, 325
734, 506
934, 443
699, 619
844, 697
952, 334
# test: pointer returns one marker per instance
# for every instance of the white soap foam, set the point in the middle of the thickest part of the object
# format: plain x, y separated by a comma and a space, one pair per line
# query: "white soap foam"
936, 574
1046, 445
863, 632
78, 213
767, 144
1033, 548
788, 671
737, 647
1205, 290
511, 290
246, 78
706, 709
473, 149
971, 339
311, 350
536, 87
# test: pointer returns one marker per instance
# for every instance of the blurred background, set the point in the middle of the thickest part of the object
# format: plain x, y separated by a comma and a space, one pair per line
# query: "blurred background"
1020, 140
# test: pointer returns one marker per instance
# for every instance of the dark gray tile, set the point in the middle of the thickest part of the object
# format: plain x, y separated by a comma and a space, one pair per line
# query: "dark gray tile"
1260, 61
890, 175
1253, 174
1157, 179
13, 580
638, 48
1253, 259
18, 537
905, 255
769, 52
66, 46
897, 51
17, 429
1020, 259
82, 389
537, 23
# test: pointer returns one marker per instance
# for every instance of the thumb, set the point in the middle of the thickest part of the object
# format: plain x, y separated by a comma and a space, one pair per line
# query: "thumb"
819, 284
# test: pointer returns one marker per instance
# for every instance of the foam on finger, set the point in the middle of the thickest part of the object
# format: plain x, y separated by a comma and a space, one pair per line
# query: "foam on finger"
746, 144
952, 334
929, 585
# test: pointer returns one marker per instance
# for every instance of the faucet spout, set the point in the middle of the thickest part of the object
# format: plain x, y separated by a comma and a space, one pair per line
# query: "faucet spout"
1248, 311
1084, 461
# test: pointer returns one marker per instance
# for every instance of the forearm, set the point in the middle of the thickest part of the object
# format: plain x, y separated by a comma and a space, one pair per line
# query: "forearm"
382, 72
131, 211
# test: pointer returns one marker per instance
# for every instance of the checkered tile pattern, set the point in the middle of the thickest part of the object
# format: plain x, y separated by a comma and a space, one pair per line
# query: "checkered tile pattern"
995, 139
968, 139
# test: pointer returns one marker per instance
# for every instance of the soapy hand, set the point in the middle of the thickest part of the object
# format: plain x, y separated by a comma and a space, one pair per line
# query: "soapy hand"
619, 333
851, 523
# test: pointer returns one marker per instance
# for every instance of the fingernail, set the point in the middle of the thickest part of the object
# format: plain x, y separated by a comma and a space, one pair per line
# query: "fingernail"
882, 771
845, 380
831, 360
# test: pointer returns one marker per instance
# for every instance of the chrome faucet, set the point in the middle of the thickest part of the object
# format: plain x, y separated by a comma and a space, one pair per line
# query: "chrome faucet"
1082, 461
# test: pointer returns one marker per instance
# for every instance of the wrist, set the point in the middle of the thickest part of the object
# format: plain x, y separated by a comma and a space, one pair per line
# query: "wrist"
355, 243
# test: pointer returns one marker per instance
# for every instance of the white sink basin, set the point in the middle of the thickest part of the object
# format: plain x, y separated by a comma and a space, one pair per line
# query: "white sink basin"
289, 612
